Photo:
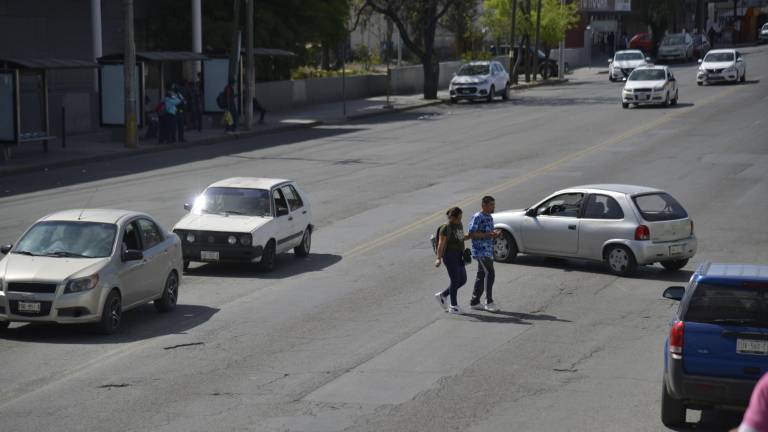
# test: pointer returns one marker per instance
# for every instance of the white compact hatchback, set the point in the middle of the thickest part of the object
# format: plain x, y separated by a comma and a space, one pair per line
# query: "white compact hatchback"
624, 62
650, 85
88, 266
247, 220
722, 65
480, 80
621, 225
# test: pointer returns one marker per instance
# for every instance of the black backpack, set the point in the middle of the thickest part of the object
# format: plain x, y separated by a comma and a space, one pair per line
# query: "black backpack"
435, 238
221, 100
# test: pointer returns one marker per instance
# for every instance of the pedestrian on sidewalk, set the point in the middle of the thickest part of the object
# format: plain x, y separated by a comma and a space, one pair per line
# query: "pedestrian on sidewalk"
181, 109
195, 105
450, 251
258, 107
231, 106
482, 233
170, 102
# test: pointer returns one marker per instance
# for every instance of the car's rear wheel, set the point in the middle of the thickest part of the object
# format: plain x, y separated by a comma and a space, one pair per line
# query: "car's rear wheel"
302, 250
504, 247
491, 94
674, 265
167, 302
112, 314
620, 260
672, 410
267, 263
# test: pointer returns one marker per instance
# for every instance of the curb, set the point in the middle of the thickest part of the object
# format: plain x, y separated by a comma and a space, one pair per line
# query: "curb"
158, 148
391, 110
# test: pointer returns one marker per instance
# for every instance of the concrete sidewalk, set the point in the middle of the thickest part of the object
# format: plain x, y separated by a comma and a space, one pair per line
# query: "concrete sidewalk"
105, 145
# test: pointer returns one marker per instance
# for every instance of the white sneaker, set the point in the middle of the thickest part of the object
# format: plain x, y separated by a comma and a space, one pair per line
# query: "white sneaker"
478, 306
454, 310
440, 299
491, 307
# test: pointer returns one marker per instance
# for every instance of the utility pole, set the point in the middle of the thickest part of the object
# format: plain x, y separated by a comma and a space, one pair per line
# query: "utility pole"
538, 40
234, 53
249, 67
129, 64
512, 47
527, 64
561, 51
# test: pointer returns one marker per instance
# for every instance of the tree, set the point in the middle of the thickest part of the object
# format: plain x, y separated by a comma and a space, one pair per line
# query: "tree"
460, 20
417, 22
659, 15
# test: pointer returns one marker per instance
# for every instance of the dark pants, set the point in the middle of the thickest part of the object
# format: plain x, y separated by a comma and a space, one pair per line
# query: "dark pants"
257, 107
454, 263
235, 116
180, 120
197, 120
167, 128
484, 282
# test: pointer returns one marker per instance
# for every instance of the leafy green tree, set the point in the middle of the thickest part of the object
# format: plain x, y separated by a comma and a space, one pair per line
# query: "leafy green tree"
660, 16
556, 19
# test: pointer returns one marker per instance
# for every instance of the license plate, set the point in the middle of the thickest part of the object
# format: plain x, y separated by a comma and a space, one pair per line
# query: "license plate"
209, 256
29, 307
676, 250
752, 346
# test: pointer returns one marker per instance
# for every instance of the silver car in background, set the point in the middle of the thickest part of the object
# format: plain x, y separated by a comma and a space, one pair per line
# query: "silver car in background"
621, 225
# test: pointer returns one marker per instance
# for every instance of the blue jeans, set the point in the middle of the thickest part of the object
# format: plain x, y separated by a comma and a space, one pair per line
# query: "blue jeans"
454, 263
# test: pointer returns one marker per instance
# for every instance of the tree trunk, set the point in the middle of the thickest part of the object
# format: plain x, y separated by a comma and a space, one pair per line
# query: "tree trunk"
527, 51
431, 76
130, 90
538, 40
512, 46
234, 53
249, 66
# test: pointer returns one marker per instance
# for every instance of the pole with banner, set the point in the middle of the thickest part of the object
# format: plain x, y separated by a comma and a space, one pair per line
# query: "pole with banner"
129, 63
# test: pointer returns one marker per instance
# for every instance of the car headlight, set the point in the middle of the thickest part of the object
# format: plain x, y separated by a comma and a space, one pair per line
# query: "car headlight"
82, 284
730, 69
245, 240
482, 82
232, 240
659, 88
191, 238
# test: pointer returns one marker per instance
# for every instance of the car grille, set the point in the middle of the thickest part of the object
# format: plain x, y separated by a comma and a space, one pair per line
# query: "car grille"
32, 287
642, 90
466, 90
208, 238
626, 71
714, 70
45, 308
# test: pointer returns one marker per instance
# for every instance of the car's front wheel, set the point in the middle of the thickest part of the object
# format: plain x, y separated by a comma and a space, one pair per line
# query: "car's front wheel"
504, 248
267, 263
674, 265
743, 77
674, 100
620, 260
672, 410
167, 302
112, 314
302, 250
505, 95
491, 94
624, 105
4, 325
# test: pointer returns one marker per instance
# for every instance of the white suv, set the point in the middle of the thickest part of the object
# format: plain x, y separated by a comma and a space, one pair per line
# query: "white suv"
246, 219
480, 80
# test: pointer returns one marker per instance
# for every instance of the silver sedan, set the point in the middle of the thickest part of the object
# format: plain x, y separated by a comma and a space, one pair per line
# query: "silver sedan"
621, 225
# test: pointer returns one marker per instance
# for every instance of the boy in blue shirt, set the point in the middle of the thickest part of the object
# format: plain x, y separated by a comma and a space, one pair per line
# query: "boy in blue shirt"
482, 233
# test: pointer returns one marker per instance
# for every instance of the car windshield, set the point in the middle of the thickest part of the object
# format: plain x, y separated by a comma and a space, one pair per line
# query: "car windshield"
719, 57
240, 201
68, 239
629, 56
657, 207
673, 40
745, 304
647, 75
476, 69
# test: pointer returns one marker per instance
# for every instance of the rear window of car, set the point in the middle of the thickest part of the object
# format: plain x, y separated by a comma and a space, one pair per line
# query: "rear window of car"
655, 207
743, 304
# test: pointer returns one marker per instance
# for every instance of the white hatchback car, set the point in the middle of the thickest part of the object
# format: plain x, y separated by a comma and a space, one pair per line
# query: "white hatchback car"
624, 62
621, 225
650, 85
480, 80
83, 266
721, 65
248, 220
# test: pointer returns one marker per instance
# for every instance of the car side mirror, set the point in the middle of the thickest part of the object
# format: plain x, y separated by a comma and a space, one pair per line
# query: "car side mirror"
531, 213
674, 293
282, 212
4, 249
739, 60
700, 60
187, 206
610, 61
672, 78
133, 255
648, 59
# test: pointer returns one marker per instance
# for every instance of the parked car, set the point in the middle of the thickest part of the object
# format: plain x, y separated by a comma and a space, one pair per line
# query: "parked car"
547, 67
621, 225
717, 348
701, 45
721, 65
89, 266
624, 62
650, 85
676, 46
480, 80
247, 220
642, 42
763, 36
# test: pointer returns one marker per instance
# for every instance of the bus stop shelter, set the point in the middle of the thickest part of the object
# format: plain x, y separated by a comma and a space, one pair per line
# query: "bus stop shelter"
12, 71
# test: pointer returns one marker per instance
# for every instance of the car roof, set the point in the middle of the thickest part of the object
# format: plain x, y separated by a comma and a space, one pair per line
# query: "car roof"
249, 182
619, 188
726, 271
722, 50
652, 66
92, 215
629, 51
480, 62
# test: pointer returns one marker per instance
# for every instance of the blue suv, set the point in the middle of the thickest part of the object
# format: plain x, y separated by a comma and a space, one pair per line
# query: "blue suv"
717, 348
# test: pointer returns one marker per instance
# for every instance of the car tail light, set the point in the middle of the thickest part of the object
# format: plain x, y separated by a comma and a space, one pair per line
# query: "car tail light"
676, 340
642, 232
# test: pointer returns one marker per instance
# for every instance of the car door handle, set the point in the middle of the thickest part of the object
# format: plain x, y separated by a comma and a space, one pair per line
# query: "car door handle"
571, 227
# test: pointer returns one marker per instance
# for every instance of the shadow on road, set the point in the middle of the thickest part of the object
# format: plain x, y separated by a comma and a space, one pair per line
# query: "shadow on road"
507, 317
643, 272
287, 265
141, 323
565, 101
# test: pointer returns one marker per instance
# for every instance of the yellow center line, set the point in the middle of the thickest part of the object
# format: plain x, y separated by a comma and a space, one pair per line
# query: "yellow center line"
434, 217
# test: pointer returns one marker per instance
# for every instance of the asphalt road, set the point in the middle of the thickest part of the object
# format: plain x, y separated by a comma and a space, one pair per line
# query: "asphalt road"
351, 338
